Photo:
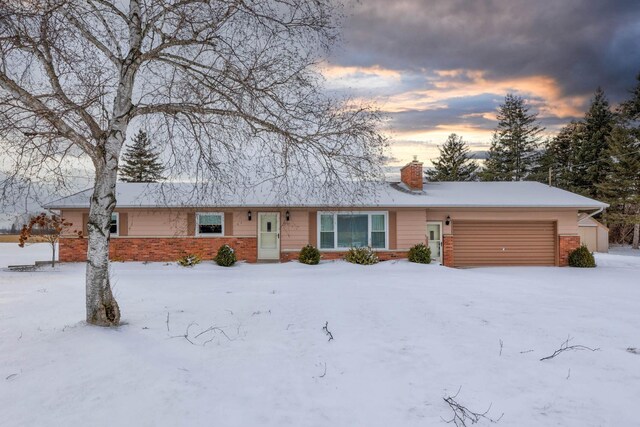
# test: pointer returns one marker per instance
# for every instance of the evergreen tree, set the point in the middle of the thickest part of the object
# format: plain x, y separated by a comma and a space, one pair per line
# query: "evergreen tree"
512, 156
454, 163
591, 164
621, 186
140, 163
630, 112
557, 160
631, 108
494, 165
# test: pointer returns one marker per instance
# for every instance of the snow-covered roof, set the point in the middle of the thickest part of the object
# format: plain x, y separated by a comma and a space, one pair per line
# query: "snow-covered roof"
436, 194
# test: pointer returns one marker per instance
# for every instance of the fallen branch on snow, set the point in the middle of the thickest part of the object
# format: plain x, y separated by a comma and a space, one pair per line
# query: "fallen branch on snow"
463, 415
326, 330
191, 339
186, 334
215, 329
566, 347
324, 373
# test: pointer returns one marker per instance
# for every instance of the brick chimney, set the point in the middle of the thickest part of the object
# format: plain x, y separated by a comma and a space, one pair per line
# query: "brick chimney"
411, 175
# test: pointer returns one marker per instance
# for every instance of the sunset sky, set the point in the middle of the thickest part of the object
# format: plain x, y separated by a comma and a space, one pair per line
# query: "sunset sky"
442, 66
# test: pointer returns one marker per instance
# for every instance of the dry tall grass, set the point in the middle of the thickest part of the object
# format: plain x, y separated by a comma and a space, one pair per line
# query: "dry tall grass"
13, 238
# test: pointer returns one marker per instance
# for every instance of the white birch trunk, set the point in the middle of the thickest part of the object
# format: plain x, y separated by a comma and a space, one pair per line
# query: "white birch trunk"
636, 236
102, 308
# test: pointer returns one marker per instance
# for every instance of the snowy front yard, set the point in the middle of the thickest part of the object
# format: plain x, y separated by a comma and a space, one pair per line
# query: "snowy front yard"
255, 352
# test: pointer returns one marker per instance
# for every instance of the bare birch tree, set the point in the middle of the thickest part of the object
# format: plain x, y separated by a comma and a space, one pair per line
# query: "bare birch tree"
231, 83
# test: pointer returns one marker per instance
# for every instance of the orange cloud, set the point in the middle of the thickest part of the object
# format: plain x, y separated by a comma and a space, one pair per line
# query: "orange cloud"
543, 93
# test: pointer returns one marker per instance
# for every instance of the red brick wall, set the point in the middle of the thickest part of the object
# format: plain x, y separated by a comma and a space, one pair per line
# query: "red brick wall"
447, 250
161, 249
566, 245
382, 255
411, 175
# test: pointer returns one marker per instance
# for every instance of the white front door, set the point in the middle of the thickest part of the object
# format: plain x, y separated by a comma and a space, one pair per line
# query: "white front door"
434, 239
268, 235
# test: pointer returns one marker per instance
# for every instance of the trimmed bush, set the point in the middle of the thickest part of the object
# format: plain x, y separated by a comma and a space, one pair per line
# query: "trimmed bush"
226, 256
189, 260
309, 255
420, 253
582, 258
362, 256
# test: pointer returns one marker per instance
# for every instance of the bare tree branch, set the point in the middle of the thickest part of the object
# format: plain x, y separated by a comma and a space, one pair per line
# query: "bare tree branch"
463, 416
230, 89
566, 347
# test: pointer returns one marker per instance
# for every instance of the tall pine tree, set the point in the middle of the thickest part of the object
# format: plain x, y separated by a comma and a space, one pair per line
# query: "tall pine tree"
631, 108
621, 186
454, 163
559, 157
512, 156
630, 112
140, 162
591, 163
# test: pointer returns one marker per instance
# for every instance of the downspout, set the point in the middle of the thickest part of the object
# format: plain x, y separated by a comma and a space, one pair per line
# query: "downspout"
594, 213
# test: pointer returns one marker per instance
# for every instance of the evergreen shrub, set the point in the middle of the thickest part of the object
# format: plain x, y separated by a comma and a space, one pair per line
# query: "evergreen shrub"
363, 256
226, 256
420, 253
309, 255
582, 258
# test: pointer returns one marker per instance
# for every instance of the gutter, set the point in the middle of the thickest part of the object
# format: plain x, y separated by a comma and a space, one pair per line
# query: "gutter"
591, 215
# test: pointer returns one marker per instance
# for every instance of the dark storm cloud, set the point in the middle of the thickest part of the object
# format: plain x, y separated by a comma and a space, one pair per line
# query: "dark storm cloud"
463, 111
580, 43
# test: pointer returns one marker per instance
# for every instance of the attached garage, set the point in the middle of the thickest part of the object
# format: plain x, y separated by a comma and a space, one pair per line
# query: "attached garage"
498, 243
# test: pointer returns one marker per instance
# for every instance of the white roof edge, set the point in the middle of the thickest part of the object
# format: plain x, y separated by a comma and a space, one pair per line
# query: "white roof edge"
445, 195
603, 205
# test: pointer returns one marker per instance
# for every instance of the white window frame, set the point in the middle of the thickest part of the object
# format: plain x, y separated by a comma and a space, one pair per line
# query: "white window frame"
335, 228
198, 234
117, 233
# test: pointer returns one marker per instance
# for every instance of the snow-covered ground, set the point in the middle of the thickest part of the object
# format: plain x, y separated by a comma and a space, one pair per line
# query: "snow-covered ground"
255, 352
624, 250
12, 254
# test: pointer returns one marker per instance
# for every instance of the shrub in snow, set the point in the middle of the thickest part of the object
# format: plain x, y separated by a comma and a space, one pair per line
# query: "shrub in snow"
582, 258
226, 256
309, 255
362, 256
189, 260
420, 253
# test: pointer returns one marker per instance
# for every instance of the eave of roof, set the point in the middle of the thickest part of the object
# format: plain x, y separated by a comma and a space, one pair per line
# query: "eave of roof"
461, 195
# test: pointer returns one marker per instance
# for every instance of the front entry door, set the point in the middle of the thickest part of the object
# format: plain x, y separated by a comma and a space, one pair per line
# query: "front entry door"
268, 236
434, 239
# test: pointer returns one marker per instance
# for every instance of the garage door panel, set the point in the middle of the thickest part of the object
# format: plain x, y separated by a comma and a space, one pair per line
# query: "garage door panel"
481, 243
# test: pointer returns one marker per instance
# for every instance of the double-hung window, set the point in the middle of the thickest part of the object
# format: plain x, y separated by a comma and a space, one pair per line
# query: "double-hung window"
115, 224
344, 230
210, 224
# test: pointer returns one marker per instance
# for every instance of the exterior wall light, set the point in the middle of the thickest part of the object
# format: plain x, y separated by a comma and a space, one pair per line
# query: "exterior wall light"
448, 221
249, 215
286, 215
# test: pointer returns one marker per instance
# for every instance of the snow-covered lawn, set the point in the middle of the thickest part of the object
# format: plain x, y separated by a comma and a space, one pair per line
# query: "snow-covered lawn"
12, 254
624, 250
255, 352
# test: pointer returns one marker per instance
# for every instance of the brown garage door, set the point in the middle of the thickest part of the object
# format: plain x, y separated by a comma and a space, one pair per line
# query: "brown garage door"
480, 243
